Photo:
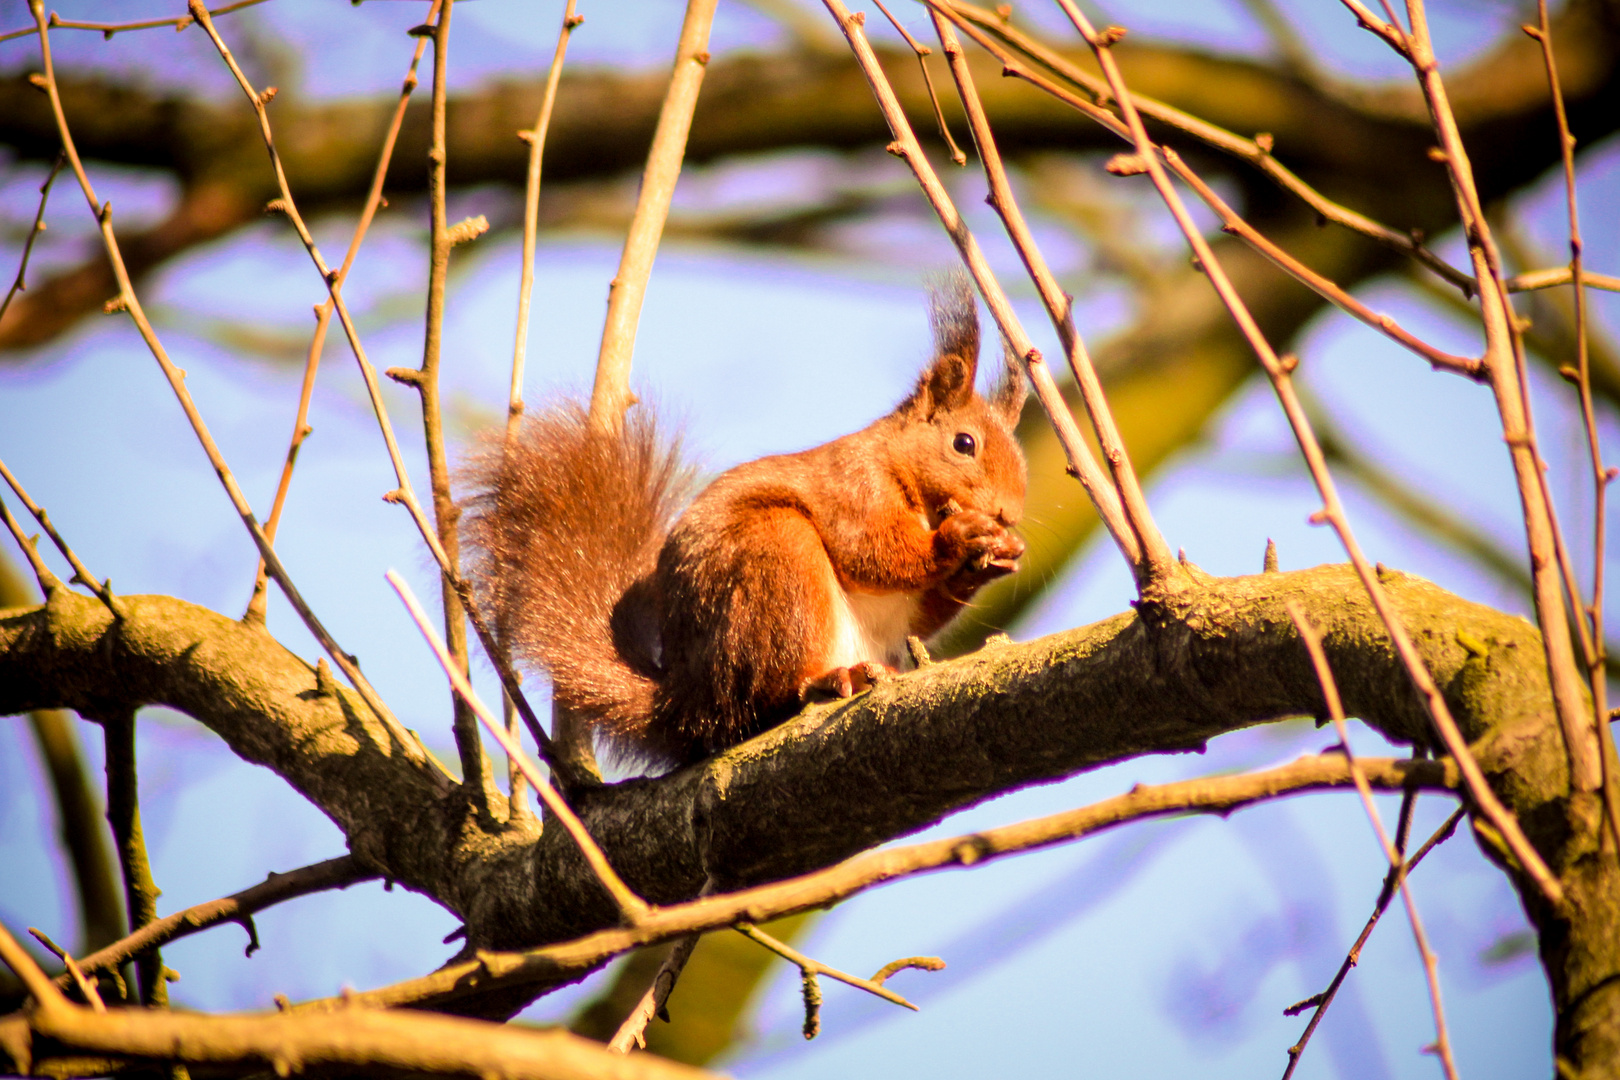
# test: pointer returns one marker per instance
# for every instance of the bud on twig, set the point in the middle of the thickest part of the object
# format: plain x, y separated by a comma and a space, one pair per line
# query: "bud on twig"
1127, 165
468, 229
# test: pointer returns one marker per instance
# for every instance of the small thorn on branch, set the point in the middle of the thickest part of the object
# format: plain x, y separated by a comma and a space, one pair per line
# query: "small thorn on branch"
325, 685
1269, 565
115, 305
267, 95
38, 82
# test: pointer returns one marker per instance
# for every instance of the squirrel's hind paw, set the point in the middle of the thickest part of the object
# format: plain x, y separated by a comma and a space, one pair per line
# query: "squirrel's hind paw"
843, 682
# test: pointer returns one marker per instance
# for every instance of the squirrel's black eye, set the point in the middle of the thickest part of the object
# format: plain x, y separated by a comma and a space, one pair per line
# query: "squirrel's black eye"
965, 444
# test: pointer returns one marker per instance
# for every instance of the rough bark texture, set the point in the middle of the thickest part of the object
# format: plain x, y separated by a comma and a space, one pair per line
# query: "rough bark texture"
1205, 657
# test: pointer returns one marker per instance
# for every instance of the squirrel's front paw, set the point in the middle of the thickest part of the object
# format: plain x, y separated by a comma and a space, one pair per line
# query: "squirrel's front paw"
843, 682
978, 546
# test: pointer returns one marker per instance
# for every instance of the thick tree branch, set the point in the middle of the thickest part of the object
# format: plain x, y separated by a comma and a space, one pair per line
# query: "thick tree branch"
1210, 656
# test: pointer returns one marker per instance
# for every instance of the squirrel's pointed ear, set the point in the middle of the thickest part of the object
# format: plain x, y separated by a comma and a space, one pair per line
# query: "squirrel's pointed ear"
947, 383
1012, 389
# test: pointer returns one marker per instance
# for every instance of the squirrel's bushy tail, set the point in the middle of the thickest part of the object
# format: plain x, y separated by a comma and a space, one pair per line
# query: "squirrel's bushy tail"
558, 527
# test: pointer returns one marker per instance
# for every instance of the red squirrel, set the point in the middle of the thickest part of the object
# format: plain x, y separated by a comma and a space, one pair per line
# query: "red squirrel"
679, 634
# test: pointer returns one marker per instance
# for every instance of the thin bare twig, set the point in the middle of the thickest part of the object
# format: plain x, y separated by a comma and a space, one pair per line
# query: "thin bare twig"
1233, 223
1320, 1002
323, 319
404, 495
39, 984
1330, 693
811, 966
610, 395
1059, 308
1146, 159
976, 22
632, 1033
1391, 32
338, 873
74, 971
107, 30
20, 284
475, 772
922, 52
128, 301
1081, 462
1414, 507
1596, 669
536, 138
1530, 280
1504, 359
81, 573
1212, 794
30, 549
632, 908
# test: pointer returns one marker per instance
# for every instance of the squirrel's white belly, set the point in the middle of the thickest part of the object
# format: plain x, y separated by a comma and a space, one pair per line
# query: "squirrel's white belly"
872, 626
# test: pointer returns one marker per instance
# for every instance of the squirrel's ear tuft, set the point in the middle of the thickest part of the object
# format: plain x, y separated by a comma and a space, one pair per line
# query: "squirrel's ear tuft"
1012, 389
955, 317
947, 383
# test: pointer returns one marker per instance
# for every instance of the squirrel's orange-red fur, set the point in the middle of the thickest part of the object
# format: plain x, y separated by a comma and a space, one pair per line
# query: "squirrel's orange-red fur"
787, 576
